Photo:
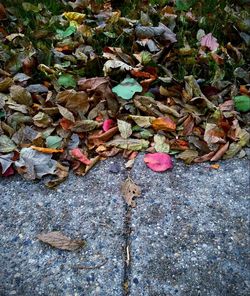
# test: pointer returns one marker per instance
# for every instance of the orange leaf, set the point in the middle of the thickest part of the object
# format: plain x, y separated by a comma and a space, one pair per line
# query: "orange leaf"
164, 124
215, 166
244, 90
63, 48
141, 74
47, 150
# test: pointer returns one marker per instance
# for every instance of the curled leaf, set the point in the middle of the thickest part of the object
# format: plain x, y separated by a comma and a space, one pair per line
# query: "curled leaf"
47, 150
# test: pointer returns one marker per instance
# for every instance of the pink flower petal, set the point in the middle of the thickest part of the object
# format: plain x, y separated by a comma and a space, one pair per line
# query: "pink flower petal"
108, 124
77, 153
210, 42
158, 162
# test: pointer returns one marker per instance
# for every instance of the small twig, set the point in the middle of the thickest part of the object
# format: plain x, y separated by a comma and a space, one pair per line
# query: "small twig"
128, 256
92, 267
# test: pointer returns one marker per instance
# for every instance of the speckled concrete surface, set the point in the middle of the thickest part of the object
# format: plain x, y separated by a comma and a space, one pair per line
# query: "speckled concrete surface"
190, 231
84, 208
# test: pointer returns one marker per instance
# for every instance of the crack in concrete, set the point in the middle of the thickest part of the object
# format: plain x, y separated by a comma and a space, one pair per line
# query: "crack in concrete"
126, 251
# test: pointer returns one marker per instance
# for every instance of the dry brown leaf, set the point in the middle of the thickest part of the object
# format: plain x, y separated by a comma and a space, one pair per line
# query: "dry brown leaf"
204, 157
222, 150
57, 240
188, 125
130, 190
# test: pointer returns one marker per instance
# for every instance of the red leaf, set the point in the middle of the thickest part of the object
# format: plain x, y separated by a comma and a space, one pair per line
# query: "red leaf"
108, 124
158, 162
77, 153
10, 171
66, 124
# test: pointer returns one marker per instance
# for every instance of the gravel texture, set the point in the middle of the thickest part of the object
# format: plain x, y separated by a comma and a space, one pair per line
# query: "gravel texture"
87, 208
190, 230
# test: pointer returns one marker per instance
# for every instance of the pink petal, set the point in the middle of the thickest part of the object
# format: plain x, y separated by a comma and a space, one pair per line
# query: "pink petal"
158, 162
77, 153
10, 171
209, 41
108, 124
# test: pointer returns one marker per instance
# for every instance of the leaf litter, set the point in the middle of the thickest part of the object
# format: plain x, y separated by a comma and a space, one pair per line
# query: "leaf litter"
89, 80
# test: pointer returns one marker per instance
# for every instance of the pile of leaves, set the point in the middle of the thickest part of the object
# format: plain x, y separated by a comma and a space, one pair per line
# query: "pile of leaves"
85, 80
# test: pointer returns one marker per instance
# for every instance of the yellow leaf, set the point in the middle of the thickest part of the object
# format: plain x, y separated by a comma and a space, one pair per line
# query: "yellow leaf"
74, 16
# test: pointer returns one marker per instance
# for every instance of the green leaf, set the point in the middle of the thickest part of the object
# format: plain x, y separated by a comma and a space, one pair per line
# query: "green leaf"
63, 34
124, 128
6, 144
160, 144
142, 121
129, 144
184, 4
31, 7
110, 34
242, 103
146, 134
66, 80
54, 142
127, 88
146, 58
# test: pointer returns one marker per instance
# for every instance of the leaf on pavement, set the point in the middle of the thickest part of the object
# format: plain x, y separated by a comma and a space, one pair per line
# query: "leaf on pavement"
158, 162
129, 190
58, 240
